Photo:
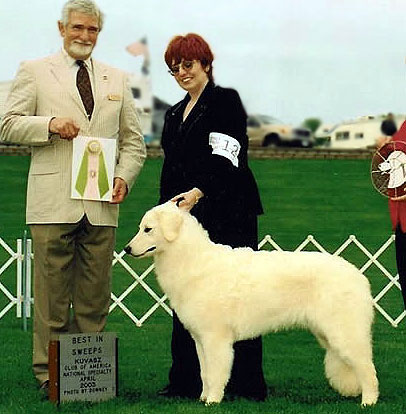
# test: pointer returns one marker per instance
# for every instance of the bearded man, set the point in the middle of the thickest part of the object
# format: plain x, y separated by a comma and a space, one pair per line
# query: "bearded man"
52, 101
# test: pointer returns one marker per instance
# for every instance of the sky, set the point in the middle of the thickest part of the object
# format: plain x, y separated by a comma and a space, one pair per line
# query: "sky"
291, 59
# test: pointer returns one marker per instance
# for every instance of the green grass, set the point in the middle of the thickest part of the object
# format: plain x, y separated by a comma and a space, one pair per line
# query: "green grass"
329, 199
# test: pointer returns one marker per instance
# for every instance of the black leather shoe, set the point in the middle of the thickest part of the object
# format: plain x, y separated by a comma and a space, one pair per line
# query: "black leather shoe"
256, 394
171, 392
44, 389
165, 392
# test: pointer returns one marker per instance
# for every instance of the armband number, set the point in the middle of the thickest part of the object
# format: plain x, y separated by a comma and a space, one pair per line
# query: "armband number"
225, 146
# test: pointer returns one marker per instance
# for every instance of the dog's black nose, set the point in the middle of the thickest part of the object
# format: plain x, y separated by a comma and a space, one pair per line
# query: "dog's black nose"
127, 249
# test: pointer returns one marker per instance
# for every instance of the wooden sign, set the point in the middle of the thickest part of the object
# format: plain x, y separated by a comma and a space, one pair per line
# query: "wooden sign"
83, 367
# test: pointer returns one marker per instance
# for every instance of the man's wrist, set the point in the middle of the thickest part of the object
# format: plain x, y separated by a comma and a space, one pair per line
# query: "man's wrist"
50, 133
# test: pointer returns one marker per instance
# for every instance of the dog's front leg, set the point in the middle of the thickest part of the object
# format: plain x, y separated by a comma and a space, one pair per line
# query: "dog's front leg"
217, 350
199, 349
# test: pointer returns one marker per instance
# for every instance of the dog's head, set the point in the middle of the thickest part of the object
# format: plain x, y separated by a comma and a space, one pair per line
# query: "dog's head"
159, 226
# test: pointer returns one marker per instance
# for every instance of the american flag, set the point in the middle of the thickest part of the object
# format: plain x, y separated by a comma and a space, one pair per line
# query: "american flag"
138, 48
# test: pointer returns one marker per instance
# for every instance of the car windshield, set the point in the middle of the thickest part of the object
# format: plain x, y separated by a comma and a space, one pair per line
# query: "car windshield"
265, 119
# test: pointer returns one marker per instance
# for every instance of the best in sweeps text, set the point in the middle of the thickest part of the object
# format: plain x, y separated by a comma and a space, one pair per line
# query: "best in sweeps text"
87, 369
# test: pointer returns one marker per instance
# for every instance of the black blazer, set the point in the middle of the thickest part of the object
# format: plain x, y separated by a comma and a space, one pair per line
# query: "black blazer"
230, 192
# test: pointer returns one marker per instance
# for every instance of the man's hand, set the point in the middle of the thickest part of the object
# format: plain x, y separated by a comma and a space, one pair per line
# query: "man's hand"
120, 190
66, 128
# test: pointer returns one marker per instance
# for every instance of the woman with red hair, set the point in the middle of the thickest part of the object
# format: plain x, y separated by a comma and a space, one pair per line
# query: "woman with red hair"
206, 172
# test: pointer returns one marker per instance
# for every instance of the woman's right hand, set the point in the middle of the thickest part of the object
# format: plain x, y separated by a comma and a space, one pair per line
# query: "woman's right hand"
186, 201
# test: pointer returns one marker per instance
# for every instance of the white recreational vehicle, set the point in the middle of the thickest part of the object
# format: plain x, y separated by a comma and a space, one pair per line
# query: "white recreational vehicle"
358, 133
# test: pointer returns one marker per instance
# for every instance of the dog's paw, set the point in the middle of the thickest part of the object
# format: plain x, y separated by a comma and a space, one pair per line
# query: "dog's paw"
213, 399
365, 404
369, 400
208, 403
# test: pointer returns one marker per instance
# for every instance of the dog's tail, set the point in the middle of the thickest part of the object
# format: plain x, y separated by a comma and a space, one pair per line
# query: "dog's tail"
340, 375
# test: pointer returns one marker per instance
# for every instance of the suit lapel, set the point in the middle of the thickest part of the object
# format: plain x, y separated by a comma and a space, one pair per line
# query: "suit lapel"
63, 75
100, 87
200, 109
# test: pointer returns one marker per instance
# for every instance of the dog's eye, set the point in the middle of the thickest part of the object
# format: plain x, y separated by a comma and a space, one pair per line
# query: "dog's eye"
147, 229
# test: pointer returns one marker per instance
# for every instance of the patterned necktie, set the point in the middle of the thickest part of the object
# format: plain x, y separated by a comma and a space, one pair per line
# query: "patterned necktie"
84, 87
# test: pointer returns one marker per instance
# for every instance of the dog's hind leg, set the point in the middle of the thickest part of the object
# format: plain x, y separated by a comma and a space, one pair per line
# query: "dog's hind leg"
358, 355
216, 350
341, 375
352, 375
366, 372
349, 367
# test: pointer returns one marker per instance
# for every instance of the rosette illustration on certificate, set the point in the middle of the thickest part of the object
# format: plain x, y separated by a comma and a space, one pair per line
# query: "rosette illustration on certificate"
93, 164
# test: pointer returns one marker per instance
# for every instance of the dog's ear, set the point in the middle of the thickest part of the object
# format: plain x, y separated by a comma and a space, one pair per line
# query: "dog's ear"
170, 222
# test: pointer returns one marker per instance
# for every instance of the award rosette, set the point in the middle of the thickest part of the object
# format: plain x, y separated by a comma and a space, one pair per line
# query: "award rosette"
93, 168
388, 169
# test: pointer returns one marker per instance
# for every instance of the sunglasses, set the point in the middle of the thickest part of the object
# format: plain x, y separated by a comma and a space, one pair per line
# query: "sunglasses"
185, 65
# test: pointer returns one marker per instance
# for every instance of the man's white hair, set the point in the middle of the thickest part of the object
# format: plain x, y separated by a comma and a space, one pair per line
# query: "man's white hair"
82, 6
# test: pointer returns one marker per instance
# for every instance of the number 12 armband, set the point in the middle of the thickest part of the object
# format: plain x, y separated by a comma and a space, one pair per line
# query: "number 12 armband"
225, 146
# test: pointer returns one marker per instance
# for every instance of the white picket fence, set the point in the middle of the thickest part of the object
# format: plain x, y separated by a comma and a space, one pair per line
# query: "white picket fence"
22, 260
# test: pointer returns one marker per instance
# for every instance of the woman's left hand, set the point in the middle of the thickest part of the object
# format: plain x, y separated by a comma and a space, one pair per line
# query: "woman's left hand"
186, 201
400, 198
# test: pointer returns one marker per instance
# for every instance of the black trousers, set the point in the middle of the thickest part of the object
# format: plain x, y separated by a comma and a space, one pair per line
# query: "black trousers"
247, 378
400, 245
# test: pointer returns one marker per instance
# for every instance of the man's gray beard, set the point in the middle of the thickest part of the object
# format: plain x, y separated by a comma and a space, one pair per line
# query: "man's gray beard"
81, 51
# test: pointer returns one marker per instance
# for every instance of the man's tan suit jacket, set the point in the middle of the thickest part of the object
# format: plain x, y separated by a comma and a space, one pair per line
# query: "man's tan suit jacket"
44, 89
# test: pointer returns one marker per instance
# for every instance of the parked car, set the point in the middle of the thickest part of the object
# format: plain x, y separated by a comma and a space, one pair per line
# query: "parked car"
266, 131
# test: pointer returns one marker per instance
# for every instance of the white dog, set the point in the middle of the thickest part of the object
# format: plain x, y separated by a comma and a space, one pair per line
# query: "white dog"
223, 295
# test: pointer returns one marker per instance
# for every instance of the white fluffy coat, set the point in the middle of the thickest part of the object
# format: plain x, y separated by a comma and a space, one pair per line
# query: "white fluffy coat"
223, 295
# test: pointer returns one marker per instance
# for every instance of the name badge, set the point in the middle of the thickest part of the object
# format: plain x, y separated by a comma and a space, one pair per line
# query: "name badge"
225, 146
112, 97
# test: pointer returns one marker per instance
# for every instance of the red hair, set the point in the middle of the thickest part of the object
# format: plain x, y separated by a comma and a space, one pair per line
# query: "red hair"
189, 47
